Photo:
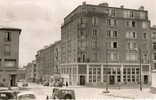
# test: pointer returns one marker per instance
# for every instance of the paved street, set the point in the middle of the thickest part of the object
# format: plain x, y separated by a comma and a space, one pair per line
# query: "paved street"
93, 93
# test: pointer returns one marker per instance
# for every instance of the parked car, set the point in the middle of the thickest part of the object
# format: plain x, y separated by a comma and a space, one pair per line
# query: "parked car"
8, 95
63, 93
26, 96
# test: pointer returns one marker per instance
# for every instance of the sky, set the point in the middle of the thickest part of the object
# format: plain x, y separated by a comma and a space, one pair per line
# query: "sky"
40, 20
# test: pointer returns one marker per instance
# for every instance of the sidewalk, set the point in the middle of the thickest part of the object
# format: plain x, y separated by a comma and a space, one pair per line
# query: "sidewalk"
131, 93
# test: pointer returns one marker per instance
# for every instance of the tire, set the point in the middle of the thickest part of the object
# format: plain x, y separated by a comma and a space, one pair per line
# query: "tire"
68, 96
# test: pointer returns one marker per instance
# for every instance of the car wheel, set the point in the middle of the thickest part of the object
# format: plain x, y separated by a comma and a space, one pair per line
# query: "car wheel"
68, 96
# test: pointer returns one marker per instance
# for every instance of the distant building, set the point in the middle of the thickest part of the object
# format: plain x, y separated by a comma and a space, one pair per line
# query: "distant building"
9, 55
21, 74
47, 60
102, 44
31, 71
153, 36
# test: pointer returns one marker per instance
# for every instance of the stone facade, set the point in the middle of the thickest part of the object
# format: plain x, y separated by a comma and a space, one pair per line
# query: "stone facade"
48, 61
104, 36
9, 55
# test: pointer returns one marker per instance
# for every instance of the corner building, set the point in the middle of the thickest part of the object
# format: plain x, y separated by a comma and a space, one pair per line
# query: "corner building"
102, 44
9, 55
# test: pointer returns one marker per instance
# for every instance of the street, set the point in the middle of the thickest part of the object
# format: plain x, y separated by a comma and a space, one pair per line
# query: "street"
92, 93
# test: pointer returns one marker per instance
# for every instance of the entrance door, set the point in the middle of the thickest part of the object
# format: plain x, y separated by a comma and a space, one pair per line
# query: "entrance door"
82, 80
12, 80
112, 80
145, 79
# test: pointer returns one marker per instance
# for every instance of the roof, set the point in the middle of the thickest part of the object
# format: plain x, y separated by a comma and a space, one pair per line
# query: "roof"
9, 28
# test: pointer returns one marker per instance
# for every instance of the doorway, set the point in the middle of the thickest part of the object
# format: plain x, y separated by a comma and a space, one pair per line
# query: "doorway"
82, 80
145, 79
112, 80
12, 80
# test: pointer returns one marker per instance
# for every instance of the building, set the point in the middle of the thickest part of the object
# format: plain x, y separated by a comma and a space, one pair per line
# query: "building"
153, 36
9, 55
21, 74
31, 71
48, 60
106, 45
57, 56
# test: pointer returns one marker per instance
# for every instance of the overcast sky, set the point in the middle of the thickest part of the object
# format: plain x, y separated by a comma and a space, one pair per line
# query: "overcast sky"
40, 20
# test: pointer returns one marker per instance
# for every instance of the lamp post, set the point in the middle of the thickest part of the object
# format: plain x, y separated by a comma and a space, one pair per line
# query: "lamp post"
140, 58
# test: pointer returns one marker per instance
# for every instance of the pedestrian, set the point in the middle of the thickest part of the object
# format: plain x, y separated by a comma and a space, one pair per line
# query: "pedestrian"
47, 98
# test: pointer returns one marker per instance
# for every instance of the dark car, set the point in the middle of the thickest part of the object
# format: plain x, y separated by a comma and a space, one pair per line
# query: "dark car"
63, 93
8, 95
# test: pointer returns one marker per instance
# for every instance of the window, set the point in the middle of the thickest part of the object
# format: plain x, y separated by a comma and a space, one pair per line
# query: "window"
109, 33
7, 36
112, 12
130, 23
142, 15
112, 22
113, 56
133, 70
7, 50
145, 68
154, 66
131, 35
154, 35
126, 14
119, 78
137, 70
131, 14
10, 62
133, 24
131, 57
114, 45
115, 34
144, 25
154, 45
154, 56
94, 21
145, 35
132, 45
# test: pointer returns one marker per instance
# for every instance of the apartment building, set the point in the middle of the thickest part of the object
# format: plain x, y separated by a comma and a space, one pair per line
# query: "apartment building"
103, 44
31, 71
47, 61
9, 55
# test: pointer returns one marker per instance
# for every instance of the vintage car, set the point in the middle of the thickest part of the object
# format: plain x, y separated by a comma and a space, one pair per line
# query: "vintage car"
27, 95
8, 95
63, 93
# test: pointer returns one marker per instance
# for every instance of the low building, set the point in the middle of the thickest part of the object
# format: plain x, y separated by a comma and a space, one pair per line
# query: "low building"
31, 71
9, 55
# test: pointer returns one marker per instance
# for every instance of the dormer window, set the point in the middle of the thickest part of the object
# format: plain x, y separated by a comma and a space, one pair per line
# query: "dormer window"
7, 36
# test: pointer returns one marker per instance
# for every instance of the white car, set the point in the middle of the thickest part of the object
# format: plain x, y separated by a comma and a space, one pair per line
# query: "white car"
26, 96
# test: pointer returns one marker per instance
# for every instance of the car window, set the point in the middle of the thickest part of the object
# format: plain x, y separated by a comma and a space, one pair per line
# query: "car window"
27, 97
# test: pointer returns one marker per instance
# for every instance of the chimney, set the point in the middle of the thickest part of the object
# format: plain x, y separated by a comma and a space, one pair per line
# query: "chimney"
153, 26
84, 3
104, 4
141, 8
122, 6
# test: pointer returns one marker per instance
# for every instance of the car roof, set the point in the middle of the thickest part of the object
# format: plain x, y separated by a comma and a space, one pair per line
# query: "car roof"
26, 92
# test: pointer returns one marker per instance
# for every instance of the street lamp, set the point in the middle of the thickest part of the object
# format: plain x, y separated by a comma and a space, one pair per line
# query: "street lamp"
140, 58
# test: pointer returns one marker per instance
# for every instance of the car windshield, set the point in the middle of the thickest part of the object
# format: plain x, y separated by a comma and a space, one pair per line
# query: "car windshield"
26, 97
